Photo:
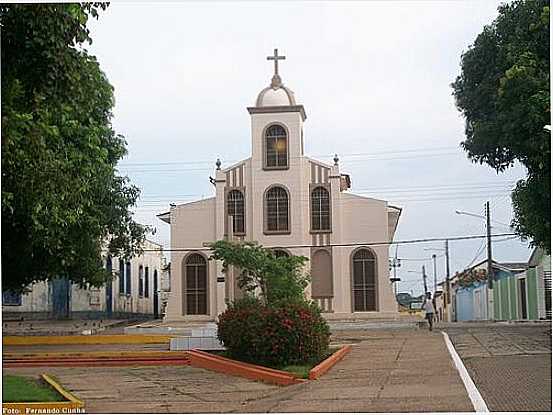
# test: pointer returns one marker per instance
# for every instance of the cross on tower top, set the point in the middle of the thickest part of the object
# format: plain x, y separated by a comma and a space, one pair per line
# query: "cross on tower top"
276, 81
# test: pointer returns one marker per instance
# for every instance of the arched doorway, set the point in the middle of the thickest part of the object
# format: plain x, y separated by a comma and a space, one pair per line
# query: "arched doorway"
195, 284
364, 278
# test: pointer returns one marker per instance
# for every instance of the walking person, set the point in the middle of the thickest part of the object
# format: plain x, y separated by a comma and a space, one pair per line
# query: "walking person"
429, 310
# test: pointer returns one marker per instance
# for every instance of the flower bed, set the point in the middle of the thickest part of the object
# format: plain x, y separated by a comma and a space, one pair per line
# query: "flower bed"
286, 375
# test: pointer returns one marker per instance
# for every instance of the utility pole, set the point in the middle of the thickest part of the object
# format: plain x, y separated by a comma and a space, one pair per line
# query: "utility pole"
489, 238
424, 281
447, 299
395, 263
490, 303
435, 275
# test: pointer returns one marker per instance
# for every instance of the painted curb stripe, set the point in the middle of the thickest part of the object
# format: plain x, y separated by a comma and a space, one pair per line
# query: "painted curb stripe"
65, 393
477, 401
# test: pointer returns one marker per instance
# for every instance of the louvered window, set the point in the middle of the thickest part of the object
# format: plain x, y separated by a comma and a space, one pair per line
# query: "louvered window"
320, 209
235, 208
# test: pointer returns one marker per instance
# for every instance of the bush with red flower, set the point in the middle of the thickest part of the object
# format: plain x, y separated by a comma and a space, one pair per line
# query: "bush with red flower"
274, 335
274, 324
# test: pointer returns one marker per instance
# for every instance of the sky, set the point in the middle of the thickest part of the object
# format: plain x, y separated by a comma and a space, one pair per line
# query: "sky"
374, 78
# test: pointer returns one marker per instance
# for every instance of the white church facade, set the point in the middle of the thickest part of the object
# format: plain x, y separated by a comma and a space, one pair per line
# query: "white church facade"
293, 204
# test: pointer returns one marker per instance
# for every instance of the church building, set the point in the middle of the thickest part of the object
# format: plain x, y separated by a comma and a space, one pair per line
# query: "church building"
292, 204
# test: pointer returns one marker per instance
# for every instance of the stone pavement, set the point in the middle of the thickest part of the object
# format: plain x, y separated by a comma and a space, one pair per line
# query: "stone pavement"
509, 364
386, 371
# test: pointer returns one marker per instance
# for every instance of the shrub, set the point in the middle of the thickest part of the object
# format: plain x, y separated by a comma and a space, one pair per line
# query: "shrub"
274, 335
275, 279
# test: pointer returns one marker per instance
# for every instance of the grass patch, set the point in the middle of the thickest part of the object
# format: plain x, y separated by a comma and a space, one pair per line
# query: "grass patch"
24, 389
300, 371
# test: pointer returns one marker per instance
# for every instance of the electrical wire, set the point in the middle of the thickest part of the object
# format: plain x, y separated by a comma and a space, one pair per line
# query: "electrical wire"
383, 243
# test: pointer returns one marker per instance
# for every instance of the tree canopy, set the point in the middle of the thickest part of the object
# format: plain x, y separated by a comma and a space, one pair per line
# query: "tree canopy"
277, 278
62, 199
503, 92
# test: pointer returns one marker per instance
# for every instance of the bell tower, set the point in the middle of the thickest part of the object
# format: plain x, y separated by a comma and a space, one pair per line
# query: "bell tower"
277, 124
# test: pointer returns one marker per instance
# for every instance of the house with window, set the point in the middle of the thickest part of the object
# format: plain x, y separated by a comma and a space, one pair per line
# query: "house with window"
134, 291
293, 204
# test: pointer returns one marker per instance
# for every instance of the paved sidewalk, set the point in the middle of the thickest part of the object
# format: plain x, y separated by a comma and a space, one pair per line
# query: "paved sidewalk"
510, 364
386, 371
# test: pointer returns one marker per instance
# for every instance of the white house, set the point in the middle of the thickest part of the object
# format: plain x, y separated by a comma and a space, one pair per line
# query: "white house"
134, 291
293, 204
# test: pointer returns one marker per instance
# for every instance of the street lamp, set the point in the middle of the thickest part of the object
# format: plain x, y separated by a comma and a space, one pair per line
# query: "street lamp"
489, 243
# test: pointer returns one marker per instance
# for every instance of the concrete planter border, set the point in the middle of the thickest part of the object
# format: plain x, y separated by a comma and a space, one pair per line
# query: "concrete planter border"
71, 404
246, 370
220, 364
326, 365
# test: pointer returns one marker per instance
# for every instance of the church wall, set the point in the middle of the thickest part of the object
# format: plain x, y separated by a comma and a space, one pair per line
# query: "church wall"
192, 224
366, 220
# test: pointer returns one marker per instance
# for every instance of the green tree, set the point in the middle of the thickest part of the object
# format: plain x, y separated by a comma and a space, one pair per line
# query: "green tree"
503, 92
278, 278
62, 199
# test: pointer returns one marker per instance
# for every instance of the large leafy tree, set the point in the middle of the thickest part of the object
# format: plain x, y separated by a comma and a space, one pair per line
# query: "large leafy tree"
504, 93
62, 200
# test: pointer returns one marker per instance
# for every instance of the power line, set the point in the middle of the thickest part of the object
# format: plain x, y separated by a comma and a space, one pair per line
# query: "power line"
258, 164
402, 192
232, 161
403, 242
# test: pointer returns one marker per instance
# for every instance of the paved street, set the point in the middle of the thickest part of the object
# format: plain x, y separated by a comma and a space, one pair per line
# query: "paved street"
387, 371
510, 364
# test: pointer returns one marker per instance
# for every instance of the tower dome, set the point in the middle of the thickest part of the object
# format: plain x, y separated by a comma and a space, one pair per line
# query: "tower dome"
275, 95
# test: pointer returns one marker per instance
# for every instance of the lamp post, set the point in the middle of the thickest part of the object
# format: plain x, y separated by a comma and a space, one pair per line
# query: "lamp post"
488, 238
489, 253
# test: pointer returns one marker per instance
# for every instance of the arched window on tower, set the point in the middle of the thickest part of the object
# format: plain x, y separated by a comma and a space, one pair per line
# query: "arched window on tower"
276, 147
320, 209
235, 208
277, 210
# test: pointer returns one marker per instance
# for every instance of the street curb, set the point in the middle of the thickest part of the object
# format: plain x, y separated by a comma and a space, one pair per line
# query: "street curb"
96, 359
477, 401
80, 339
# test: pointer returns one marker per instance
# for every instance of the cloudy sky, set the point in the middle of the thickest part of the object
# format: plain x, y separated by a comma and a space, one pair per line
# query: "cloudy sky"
374, 79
